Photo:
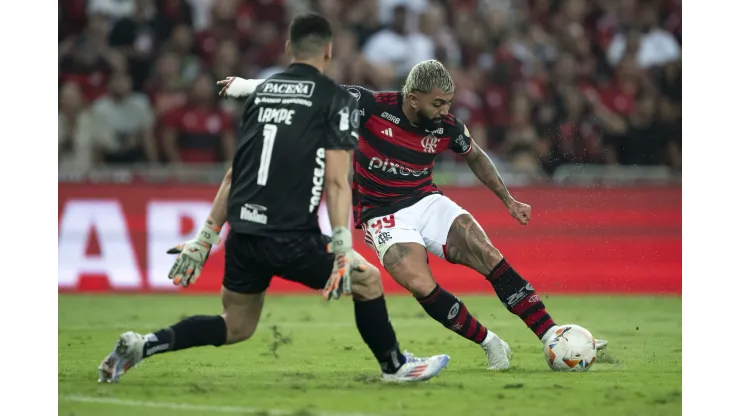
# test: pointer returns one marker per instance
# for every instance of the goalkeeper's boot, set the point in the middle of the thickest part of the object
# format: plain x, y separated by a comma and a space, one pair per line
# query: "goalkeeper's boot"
128, 352
418, 368
497, 351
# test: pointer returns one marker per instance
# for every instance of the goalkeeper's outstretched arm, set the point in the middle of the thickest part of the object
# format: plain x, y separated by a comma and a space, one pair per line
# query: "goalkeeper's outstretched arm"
239, 88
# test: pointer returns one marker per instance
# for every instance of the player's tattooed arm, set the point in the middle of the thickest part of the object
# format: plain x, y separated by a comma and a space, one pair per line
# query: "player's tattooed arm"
486, 172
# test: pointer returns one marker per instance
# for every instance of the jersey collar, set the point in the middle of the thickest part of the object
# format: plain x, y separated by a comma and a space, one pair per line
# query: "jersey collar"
302, 68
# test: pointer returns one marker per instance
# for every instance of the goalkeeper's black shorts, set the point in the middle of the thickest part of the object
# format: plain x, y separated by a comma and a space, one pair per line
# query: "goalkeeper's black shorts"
251, 261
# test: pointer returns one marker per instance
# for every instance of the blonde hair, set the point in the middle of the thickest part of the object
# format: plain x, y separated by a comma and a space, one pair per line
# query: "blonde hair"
426, 76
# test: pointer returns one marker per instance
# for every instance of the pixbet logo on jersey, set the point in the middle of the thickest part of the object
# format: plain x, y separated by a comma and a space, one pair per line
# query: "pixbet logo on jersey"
394, 168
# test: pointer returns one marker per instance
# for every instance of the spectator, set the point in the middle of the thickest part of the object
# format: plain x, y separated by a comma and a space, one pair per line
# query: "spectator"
522, 144
577, 138
112, 9
669, 121
201, 10
199, 132
76, 130
166, 86
637, 139
650, 44
130, 122
539, 82
222, 27
365, 20
226, 60
137, 37
87, 59
182, 43
395, 47
387, 11
72, 18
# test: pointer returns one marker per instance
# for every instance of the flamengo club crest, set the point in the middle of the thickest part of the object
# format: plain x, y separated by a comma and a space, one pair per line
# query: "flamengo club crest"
429, 143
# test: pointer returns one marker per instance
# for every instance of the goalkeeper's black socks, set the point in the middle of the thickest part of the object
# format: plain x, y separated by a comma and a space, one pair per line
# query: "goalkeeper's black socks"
376, 330
449, 311
520, 298
194, 331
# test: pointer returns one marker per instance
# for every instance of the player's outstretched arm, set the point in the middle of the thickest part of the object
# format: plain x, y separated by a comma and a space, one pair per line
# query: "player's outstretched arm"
192, 254
238, 88
486, 172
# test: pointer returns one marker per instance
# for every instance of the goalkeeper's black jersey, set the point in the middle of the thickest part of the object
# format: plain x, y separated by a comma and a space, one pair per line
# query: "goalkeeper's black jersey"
278, 171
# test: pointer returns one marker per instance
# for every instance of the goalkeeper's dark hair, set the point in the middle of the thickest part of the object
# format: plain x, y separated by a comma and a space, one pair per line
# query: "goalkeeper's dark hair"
309, 33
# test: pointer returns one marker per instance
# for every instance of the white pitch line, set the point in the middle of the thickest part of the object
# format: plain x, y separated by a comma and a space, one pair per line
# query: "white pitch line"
196, 407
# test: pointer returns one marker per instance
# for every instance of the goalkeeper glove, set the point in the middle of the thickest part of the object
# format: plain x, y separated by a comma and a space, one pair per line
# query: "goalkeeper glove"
345, 261
192, 254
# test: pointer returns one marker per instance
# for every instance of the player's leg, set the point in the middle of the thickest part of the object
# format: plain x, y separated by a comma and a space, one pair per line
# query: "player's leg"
451, 233
402, 252
236, 323
468, 244
242, 297
407, 264
373, 323
371, 315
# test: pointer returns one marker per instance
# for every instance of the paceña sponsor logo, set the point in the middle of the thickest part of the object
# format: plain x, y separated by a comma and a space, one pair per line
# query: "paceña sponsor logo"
287, 88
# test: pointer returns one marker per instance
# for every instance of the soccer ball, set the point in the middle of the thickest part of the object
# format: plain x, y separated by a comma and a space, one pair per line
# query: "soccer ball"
572, 348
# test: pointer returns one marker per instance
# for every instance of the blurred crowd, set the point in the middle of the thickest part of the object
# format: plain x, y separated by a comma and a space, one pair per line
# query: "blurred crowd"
540, 83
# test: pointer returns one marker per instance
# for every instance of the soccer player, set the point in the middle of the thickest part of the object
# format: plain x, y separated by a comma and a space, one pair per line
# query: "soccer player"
404, 215
296, 139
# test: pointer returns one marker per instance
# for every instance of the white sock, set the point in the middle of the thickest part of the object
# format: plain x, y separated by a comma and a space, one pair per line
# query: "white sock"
548, 334
489, 336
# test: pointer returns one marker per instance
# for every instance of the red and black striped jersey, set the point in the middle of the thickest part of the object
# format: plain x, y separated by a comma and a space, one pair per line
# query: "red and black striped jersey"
394, 159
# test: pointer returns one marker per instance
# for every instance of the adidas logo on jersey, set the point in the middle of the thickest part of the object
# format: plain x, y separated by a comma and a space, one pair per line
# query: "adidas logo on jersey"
388, 132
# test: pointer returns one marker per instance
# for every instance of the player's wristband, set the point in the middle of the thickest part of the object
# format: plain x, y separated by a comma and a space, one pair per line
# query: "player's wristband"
209, 232
241, 87
341, 240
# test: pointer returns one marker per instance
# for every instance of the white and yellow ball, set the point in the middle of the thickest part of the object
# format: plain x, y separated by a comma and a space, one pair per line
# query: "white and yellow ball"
571, 348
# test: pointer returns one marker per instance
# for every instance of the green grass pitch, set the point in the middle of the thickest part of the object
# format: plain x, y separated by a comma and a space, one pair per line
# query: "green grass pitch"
308, 359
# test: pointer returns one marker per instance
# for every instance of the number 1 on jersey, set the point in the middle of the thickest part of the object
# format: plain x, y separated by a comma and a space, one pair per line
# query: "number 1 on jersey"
268, 133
